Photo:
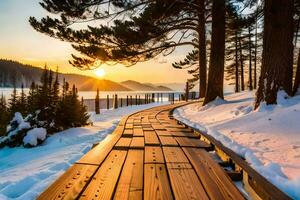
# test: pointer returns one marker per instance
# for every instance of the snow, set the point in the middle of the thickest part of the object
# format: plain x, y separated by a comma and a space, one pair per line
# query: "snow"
26, 172
268, 137
34, 135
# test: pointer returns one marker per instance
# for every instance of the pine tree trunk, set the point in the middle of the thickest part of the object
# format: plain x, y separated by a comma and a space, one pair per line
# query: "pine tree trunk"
277, 64
255, 55
250, 62
242, 66
202, 50
236, 65
297, 77
216, 62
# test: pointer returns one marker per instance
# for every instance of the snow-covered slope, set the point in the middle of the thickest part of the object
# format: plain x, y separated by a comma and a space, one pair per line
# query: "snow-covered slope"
269, 137
25, 173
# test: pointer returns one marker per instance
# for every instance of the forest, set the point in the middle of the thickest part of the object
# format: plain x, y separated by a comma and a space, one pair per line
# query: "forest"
251, 42
28, 119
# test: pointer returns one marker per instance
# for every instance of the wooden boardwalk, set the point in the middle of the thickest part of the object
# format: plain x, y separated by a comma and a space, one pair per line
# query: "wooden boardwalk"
148, 156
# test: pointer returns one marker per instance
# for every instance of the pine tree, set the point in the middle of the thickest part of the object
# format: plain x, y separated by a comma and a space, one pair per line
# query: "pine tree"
277, 65
13, 102
32, 98
217, 53
4, 115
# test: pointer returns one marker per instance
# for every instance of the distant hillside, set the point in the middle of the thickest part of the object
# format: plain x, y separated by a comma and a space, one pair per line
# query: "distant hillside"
12, 72
134, 85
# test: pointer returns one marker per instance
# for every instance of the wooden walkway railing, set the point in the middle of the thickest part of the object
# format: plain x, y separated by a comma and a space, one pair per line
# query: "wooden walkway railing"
148, 156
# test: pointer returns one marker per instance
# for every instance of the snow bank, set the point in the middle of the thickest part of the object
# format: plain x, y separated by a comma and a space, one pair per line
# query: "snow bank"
26, 172
35, 135
268, 138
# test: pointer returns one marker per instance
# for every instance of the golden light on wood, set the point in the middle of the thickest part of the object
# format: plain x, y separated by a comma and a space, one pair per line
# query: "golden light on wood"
100, 72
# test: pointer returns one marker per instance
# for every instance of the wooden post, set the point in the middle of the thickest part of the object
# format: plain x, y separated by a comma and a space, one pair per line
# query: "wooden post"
121, 102
127, 101
130, 100
107, 102
157, 98
97, 103
161, 97
115, 103
187, 91
136, 103
139, 99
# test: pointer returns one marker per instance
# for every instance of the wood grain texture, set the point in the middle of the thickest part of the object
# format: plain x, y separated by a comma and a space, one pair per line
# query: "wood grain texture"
130, 184
185, 182
151, 138
174, 155
123, 143
156, 183
168, 141
138, 132
192, 142
137, 143
104, 182
70, 184
97, 154
154, 154
216, 182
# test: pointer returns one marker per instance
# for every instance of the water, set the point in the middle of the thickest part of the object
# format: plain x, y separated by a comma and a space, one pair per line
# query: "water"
92, 94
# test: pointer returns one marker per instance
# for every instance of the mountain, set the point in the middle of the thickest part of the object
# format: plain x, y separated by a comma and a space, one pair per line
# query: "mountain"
173, 86
136, 86
15, 73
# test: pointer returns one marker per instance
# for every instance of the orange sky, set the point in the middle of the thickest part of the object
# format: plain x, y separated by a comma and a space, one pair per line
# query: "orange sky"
18, 41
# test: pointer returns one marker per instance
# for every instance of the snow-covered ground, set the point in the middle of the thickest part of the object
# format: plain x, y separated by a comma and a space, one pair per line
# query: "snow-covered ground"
25, 173
269, 137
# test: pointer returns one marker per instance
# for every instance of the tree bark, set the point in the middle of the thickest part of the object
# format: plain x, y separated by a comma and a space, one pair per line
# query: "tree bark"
255, 55
250, 61
242, 66
277, 60
216, 61
202, 50
236, 64
297, 77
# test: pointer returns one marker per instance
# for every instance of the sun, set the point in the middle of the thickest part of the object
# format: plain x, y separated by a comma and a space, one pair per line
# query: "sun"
100, 72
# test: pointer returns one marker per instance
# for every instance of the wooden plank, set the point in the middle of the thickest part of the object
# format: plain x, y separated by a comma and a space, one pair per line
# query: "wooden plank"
151, 138
215, 181
104, 182
128, 133
123, 143
154, 155
174, 155
97, 154
130, 184
129, 126
185, 134
163, 133
185, 182
138, 132
148, 129
191, 142
156, 183
186, 130
168, 141
158, 127
137, 143
70, 184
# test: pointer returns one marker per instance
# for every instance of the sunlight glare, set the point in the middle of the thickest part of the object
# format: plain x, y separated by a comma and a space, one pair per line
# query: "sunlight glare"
100, 72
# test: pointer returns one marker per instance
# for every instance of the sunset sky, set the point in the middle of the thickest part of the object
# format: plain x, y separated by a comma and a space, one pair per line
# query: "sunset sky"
19, 41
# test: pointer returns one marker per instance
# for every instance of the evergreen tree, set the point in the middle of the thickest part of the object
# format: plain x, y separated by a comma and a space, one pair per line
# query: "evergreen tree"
4, 115
277, 65
32, 98
13, 102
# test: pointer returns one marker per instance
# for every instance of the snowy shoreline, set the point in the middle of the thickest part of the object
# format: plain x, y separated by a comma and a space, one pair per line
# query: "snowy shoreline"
26, 172
268, 138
